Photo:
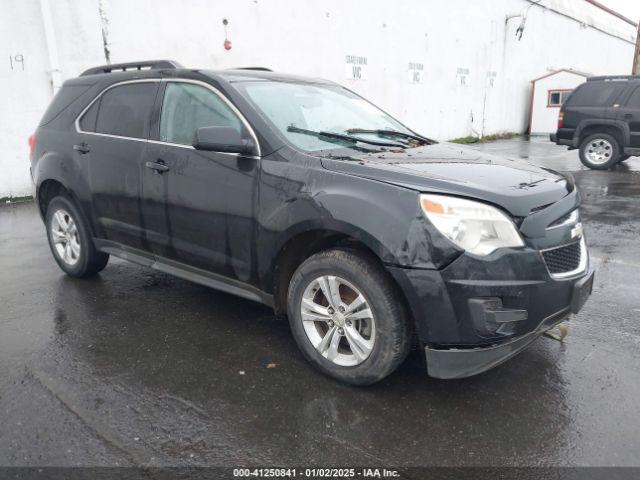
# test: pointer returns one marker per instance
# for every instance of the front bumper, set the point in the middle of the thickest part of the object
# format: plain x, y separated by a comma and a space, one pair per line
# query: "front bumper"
513, 286
459, 363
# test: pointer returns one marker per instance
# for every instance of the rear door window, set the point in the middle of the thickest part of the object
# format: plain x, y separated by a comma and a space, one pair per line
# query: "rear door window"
125, 110
596, 94
187, 107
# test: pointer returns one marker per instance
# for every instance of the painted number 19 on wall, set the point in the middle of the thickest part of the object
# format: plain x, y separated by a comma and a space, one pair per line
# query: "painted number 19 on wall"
16, 62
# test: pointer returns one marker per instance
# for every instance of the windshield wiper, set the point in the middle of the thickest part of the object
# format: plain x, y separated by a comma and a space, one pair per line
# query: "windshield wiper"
393, 133
340, 136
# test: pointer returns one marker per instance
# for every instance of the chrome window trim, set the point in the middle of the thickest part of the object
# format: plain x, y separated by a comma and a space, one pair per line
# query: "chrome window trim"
170, 144
190, 147
108, 135
582, 266
180, 145
98, 96
226, 101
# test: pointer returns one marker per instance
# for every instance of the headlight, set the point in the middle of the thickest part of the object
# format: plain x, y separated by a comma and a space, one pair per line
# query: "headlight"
474, 226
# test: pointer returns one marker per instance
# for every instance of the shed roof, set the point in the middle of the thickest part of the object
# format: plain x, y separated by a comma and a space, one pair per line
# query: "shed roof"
569, 70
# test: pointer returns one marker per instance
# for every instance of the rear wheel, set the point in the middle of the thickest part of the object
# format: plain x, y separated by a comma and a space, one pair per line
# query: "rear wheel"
70, 240
600, 151
347, 317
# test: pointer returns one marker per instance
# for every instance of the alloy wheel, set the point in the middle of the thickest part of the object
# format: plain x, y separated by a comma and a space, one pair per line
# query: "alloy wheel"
338, 320
65, 237
599, 151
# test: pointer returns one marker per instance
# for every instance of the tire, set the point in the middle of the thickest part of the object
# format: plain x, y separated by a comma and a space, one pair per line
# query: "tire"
600, 151
384, 334
70, 240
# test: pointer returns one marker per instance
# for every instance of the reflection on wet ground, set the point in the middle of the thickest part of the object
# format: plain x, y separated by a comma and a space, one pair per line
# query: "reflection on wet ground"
136, 367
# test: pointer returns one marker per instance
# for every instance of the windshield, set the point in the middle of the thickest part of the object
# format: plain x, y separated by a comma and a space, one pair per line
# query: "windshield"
300, 110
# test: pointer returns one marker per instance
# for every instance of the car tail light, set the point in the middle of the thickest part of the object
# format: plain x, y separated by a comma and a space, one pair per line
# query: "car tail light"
560, 119
32, 145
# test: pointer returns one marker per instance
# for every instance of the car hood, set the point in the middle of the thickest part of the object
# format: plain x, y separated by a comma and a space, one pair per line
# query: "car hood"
516, 186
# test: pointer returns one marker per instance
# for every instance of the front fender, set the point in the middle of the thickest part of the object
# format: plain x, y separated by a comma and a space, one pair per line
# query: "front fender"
300, 197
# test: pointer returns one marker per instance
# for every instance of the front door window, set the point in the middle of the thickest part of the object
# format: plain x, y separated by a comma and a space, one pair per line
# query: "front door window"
187, 107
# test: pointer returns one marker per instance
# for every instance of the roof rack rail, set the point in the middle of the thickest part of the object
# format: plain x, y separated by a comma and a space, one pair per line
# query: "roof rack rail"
123, 67
260, 69
613, 78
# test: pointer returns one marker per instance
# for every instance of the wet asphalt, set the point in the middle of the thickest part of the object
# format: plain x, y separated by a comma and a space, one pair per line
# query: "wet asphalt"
135, 367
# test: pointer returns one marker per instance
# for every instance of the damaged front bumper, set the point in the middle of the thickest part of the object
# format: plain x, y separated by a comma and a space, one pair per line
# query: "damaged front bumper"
464, 362
472, 325
460, 363
478, 311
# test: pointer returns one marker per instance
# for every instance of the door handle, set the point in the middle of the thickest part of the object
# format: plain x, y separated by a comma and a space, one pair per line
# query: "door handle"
82, 148
158, 167
628, 115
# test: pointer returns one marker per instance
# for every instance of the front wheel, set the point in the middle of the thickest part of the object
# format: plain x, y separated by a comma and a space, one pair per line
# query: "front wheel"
70, 240
600, 151
347, 317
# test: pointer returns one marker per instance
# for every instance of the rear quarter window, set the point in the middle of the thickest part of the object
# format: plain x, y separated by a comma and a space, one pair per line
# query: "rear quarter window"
65, 97
88, 120
595, 94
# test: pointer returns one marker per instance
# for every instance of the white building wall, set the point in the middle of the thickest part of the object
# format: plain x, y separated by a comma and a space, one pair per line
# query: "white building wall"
25, 74
544, 119
313, 38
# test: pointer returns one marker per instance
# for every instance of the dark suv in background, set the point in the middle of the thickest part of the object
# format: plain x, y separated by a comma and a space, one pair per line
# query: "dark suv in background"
602, 118
299, 194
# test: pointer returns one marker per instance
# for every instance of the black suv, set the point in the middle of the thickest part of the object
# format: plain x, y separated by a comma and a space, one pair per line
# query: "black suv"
299, 194
602, 118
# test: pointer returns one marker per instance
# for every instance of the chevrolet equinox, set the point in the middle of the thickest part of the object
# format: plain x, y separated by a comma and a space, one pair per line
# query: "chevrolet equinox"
299, 194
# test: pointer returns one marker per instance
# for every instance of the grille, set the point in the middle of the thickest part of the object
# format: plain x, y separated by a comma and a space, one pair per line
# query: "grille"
563, 259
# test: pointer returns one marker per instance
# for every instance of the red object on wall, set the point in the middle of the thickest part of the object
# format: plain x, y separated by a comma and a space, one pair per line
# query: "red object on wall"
32, 145
227, 44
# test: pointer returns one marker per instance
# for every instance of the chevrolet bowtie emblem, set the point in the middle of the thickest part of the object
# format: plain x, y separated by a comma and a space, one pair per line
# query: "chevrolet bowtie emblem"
576, 232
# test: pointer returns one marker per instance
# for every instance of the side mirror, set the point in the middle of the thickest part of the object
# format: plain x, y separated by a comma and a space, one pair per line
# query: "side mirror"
222, 139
